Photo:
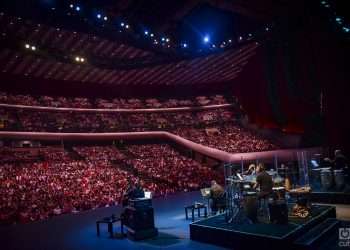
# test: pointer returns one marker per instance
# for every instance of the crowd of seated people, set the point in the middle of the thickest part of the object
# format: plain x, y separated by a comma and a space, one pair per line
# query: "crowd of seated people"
165, 163
229, 137
116, 103
59, 182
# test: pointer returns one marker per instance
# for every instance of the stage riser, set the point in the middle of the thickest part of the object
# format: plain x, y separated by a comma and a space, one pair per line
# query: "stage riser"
241, 240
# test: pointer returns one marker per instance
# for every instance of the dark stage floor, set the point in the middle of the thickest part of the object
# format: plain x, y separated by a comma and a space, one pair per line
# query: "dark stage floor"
77, 231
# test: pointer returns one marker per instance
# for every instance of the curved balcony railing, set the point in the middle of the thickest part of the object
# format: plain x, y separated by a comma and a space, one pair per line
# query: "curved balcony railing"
86, 110
287, 154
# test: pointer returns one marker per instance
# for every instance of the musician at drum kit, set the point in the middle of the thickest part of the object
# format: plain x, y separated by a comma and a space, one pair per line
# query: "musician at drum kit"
263, 181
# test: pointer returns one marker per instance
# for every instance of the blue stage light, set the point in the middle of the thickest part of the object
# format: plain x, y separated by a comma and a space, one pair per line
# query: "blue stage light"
146, 32
163, 39
184, 45
99, 16
122, 24
77, 8
206, 39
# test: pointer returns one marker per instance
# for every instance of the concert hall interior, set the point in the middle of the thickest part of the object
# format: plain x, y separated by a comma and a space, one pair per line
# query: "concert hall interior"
177, 124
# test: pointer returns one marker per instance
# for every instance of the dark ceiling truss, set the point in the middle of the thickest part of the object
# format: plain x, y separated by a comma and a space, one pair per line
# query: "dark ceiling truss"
216, 68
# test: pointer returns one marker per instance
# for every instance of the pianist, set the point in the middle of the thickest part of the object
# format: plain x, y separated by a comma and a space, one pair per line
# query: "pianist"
217, 197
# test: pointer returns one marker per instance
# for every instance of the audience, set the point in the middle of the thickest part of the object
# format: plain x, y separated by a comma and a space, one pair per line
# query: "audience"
56, 182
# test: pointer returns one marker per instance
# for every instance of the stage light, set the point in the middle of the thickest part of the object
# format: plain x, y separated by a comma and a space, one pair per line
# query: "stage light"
267, 28
33, 48
77, 8
152, 35
338, 19
122, 24
146, 32
167, 40
163, 39
206, 39
99, 16
105, 18
230, 41
127, 26
346, 29
213, 45
82, 59
184, 45
250, 34
27, 46
71, 6
240, 38
77, 59
323, 2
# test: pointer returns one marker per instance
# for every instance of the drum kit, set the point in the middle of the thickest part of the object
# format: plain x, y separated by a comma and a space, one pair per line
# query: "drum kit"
242, 199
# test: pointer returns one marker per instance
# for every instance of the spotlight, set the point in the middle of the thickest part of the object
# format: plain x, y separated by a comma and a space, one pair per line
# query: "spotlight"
152, 35
163, 39
167, 40
77, 59
122, 24
146, 32
99, 16
184, 45
250, 34
77, 8
105, 18
33, 48
127, 26
230, 41
323, 2
71, 6
240, 38
27, 46
206, 39
267, 28
213, 45
338, 19
82, 59
346, 29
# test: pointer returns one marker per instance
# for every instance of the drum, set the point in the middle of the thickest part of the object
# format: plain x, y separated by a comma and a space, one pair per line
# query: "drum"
316, 178
278, 212
326, 179
339, 179
250, 205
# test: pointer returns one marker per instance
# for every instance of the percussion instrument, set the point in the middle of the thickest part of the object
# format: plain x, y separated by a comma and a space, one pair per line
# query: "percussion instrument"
326, 179
250, 205
339, 179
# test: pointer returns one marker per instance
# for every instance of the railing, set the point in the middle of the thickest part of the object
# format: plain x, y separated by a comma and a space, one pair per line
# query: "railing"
287, 154
86, 110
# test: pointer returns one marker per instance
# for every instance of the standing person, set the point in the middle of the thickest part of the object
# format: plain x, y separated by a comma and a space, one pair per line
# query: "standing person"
263, 181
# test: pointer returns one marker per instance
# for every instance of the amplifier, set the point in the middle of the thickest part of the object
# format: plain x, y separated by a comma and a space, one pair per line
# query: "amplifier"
140, 203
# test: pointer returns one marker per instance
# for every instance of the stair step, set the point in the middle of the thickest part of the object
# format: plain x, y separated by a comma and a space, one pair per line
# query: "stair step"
314, 235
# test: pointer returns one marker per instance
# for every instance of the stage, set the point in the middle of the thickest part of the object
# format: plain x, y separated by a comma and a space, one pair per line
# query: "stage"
78, 231
215, 230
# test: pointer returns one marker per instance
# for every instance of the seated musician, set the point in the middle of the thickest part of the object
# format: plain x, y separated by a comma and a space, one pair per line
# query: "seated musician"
251, 170
133, 191
263, 181
217, 197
